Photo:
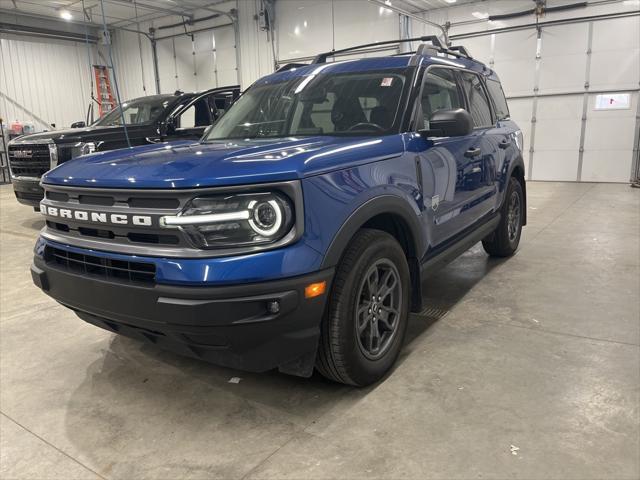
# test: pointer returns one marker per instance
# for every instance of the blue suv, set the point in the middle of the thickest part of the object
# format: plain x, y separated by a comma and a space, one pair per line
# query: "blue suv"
298, 232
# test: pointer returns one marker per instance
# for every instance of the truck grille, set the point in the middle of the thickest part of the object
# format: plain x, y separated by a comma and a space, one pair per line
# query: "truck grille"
29, 160
107, 268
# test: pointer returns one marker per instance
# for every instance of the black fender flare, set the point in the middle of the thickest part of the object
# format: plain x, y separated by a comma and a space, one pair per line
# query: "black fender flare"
518, 161
382, 204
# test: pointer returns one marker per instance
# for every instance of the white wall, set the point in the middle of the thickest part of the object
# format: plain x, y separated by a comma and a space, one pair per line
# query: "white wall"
43, 80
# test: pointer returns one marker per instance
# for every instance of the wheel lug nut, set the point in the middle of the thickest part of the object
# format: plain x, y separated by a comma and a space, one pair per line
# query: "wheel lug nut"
369, 310
379, 310
379, 298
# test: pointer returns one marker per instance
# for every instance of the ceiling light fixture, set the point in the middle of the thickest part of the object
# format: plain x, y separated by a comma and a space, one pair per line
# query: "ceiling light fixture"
66, 14
480, 15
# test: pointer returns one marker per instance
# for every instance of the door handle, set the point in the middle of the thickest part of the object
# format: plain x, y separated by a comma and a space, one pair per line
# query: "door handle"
472, 152
504, 144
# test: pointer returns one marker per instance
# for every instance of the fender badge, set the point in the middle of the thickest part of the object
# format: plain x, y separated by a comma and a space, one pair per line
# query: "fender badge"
435, 201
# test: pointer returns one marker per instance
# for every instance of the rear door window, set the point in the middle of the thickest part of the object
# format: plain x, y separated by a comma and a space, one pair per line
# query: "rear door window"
499, 100
479, 106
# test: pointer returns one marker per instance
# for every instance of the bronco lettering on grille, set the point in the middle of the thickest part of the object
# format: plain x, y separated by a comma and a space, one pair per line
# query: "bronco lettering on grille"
96, 217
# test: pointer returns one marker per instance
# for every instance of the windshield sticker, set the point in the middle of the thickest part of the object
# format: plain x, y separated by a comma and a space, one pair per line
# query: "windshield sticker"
386, 82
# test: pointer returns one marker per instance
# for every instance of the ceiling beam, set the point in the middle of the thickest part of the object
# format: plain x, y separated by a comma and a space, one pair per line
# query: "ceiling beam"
152, 8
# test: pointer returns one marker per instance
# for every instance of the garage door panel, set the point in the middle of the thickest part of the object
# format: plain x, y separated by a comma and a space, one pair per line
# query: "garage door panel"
615, 61
520, 111
555, 165
562, 74
205, 69
558, 123
565, 39
607, 166
184, 63
517, 76
615, 70
353, 19
225, 49
520, 45
302, 30
227, 77
204, 42
616, 34
610, 129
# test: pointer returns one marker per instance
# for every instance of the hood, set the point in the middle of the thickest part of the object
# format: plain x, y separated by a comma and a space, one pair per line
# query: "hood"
73, 135
189, 165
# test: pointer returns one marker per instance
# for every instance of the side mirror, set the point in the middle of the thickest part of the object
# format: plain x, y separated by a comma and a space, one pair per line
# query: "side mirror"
166, 127
78, 125
449, 123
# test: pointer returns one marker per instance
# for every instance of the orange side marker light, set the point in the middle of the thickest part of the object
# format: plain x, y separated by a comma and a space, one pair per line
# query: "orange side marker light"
315, 289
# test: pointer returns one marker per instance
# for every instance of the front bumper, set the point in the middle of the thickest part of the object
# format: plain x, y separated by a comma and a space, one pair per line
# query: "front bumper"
28, 191
226, 325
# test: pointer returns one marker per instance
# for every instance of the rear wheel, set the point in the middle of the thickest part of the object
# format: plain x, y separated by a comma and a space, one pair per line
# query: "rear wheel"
504, 240
366, 320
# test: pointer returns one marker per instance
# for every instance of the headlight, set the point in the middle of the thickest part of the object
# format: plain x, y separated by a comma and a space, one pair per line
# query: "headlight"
82, 148
235, 220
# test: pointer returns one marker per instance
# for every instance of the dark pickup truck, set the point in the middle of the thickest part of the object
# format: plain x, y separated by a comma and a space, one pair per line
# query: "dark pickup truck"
151, 119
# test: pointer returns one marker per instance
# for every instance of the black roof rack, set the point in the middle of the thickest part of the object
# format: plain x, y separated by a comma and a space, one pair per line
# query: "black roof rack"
435, 46
460, 49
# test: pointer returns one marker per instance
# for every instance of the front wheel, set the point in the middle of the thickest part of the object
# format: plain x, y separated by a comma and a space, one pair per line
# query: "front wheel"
364, 328
504, 240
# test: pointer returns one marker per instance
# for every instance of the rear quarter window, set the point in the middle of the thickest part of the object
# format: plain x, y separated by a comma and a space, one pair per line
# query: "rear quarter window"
499, 100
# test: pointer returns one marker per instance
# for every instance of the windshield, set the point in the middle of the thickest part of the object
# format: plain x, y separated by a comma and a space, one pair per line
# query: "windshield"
362, 103
136, 112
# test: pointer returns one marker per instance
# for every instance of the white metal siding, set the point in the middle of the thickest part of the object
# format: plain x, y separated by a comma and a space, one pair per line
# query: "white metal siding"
43, 81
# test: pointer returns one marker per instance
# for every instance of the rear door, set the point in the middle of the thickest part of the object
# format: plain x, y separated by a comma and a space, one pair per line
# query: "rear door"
481, 174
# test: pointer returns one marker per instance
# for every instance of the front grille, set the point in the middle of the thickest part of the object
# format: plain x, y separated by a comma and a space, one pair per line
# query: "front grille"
34, 160
109, 200
132, 236
34, 197
106, 268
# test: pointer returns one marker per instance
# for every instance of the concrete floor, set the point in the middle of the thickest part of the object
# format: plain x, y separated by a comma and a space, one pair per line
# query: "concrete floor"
525, 368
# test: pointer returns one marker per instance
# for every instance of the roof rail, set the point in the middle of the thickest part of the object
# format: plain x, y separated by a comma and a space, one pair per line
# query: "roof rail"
434, 40
460, 49
433, 47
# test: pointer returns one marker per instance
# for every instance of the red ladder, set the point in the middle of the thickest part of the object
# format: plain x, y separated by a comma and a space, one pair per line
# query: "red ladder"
103, 86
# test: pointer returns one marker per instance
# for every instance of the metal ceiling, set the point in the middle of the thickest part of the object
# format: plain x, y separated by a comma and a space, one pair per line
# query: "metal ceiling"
117, 13
121, 13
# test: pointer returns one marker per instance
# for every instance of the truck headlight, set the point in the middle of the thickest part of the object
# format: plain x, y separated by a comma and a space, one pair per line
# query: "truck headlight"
235, 220
83, 148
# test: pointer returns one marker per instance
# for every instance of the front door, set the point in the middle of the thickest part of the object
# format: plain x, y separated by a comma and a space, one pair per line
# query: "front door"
456, 171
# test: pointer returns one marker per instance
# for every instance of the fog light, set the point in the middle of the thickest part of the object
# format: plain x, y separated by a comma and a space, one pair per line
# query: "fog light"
273, 307
315, 289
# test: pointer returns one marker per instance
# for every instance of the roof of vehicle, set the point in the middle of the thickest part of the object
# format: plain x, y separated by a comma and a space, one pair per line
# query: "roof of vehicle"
179, 93
376, 63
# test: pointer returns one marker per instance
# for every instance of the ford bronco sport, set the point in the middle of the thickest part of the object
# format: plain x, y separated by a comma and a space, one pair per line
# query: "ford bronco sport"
156, 118
299, 230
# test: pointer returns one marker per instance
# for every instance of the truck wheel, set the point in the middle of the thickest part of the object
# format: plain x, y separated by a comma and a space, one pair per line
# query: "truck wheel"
366, 319
504, 240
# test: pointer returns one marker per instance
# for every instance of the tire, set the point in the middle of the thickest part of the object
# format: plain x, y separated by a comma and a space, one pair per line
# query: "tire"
344, 354
504, 240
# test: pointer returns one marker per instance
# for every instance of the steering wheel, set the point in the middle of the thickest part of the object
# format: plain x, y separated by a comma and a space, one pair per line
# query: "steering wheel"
366, 126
